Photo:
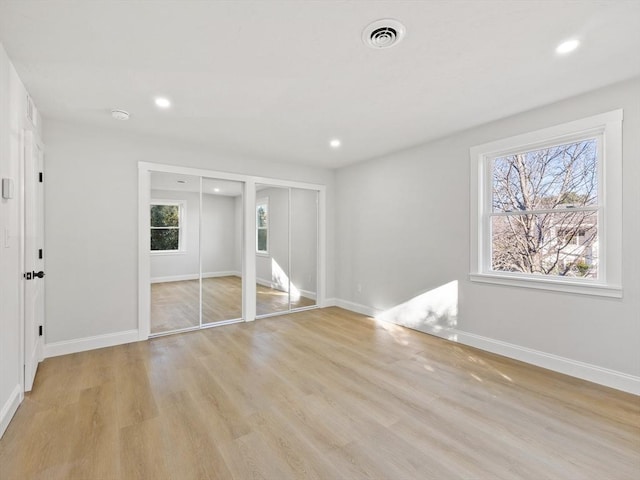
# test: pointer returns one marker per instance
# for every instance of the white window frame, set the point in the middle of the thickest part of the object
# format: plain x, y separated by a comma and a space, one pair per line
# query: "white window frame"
259, 202
182, 223
608, 128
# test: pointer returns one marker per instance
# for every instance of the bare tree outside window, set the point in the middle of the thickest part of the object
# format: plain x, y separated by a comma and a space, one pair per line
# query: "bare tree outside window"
544, 217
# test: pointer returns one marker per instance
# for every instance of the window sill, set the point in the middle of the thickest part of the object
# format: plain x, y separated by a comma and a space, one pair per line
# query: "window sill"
263, 254
564, 286
167, 252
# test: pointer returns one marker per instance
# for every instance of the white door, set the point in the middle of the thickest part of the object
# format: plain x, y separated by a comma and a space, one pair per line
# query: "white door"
33, 257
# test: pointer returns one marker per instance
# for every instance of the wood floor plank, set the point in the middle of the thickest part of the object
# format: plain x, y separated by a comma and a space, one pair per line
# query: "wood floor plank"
319, 394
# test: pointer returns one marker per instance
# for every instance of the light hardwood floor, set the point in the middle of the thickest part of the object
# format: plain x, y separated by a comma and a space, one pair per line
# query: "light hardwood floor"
320, 394
175, 305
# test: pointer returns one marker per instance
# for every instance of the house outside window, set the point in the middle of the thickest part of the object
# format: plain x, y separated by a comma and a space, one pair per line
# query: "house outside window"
544, 213
262, 226
167, 226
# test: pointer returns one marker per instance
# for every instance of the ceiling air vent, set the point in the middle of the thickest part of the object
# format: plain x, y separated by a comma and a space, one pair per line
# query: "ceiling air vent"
383, 33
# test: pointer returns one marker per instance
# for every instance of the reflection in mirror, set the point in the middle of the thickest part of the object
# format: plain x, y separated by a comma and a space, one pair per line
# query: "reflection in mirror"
174, 252
221, 250
272, 249
304, 247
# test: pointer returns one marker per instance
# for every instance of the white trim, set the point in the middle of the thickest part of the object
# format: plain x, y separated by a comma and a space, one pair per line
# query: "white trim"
544, 283
195, 276
330, 302
90, 343
356, 307
609, 127
269, 284
308, 294
575, 368
10, 407
249, 255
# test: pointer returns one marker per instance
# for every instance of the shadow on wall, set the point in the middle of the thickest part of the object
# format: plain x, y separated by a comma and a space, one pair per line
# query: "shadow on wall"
434, 311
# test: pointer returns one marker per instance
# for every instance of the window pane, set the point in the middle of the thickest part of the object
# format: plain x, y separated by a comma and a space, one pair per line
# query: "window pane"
555, 244
262, 240
165, 239
262, 216
562, 176
165, 215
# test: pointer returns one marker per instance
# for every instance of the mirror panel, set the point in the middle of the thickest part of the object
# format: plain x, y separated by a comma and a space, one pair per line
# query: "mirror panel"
272, 255
304, 247
174, 251
221, 250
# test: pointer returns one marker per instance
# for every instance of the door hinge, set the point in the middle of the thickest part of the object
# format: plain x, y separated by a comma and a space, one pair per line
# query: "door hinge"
40, 177
40, 253
40, 330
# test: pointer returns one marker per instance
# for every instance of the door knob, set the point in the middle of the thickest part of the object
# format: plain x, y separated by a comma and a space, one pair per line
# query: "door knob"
39, 274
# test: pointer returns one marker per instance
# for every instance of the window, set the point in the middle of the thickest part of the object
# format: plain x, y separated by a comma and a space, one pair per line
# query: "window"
167, 230
262, 226
543, 215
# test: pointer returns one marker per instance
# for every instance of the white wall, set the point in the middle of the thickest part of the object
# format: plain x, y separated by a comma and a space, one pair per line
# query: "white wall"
92, 187
403, 229
220, 238
12, 122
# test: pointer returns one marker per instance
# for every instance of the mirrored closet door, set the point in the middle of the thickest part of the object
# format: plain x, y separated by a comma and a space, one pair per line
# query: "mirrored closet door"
195, 257
221, 250
174, 258
286, 249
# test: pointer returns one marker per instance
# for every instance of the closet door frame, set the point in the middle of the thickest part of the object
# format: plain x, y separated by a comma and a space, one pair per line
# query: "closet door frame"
249, 244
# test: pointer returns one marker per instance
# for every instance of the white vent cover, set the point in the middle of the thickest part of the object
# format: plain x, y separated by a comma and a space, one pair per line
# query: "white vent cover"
383, 33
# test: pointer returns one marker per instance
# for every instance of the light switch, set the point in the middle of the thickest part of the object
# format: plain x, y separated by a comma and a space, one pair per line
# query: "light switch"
7, 188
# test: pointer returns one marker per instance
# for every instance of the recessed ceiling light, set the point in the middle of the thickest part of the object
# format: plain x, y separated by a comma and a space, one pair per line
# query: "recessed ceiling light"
335, 143
216, 190
567, 47
162, 102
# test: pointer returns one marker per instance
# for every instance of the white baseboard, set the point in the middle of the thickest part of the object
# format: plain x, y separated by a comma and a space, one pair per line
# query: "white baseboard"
269, 284
575, 368
356, 307
9, 408
195, 276
90, 343
329, 302
308, 294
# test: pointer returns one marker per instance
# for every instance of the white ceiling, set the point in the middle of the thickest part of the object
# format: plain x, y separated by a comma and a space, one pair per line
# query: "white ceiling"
278, 79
